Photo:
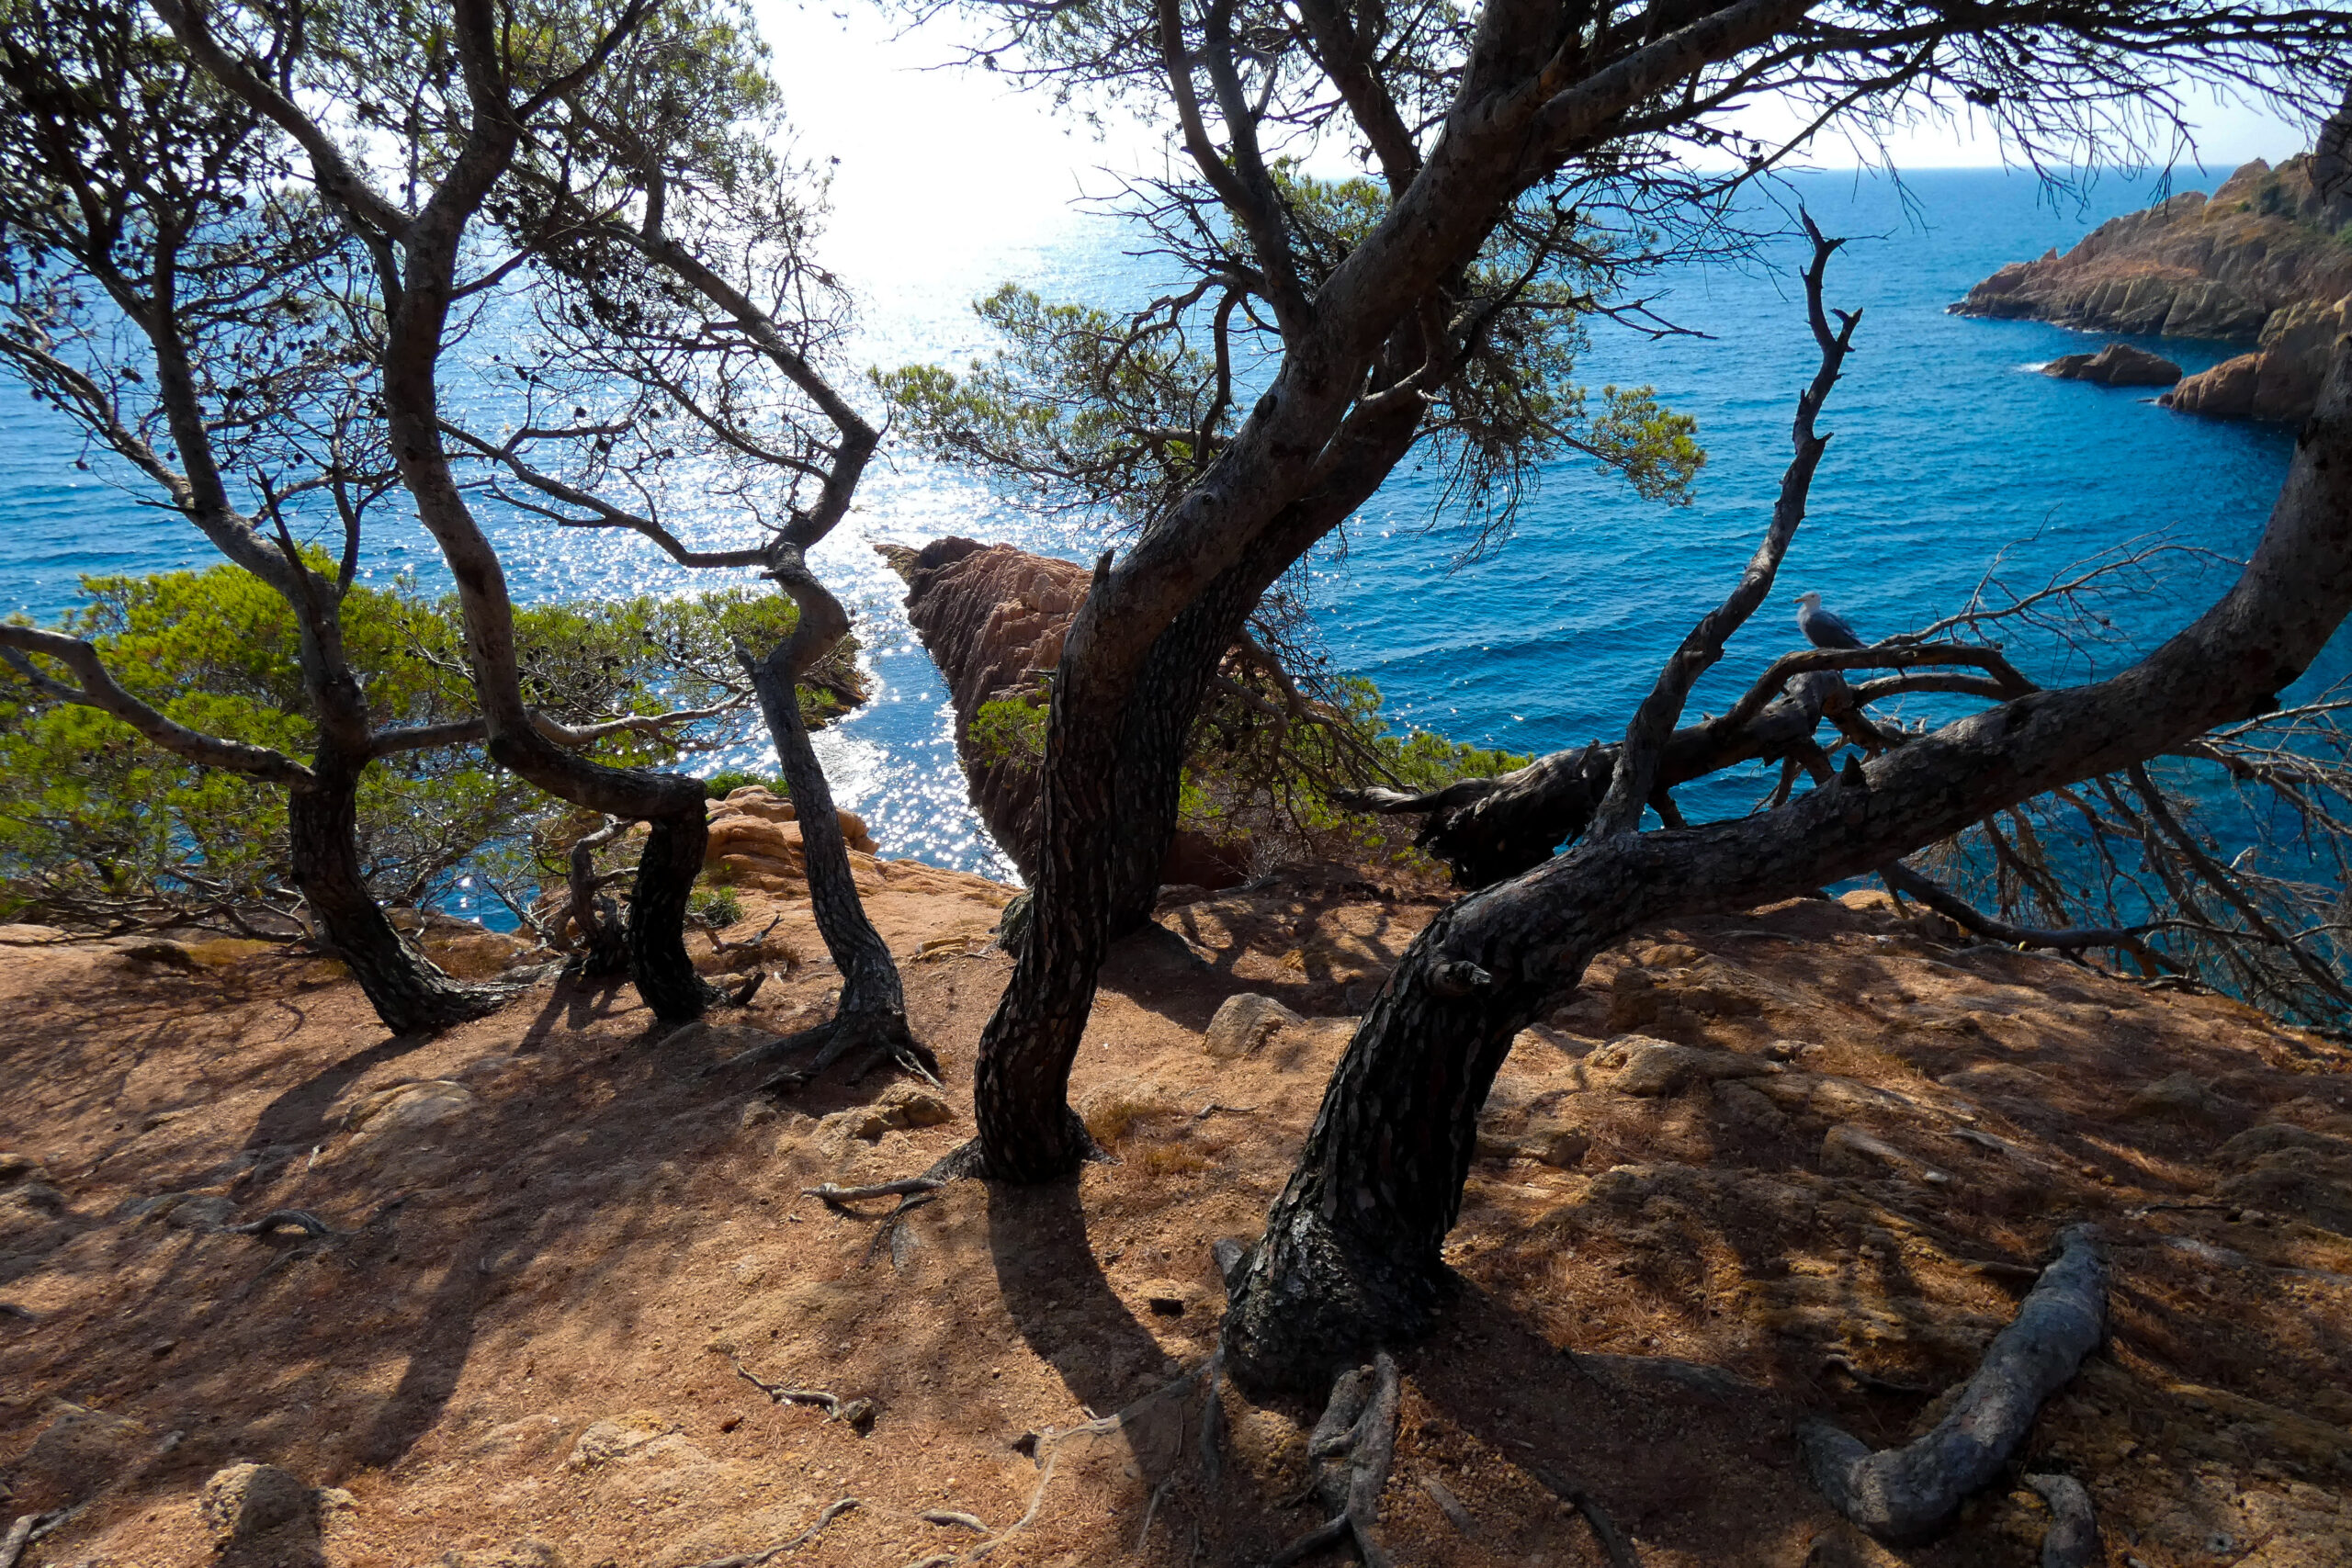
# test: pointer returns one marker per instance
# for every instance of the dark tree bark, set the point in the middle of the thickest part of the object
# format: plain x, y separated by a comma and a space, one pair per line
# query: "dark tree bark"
1351, 1255
1365, 336
417, 256
1105, 829
1490, 828
409, 993
871, 1018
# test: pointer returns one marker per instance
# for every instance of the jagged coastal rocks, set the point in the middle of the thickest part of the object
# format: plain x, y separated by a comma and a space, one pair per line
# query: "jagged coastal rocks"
993, 618
2281, 379
2267, 260
2117, 364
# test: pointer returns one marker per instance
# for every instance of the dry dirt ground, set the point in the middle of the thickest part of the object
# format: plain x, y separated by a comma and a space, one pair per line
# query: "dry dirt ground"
553, 1243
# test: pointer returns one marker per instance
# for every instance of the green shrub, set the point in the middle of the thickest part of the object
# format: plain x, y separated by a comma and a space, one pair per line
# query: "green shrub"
716, 907
719, 786
93, 817
1010, 729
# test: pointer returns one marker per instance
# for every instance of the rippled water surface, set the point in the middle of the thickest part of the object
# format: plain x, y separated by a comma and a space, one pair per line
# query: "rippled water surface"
1949, 452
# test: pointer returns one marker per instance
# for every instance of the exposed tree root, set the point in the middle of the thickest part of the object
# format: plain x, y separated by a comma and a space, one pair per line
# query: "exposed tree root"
833, 1510
857, 1414
1450, 1506
1908, 1495
1836, 1361
1048, 1446
876, 1039
13, 1547
882, 1037
302, 1220
841, 1197
2072, 1540
1352, 1447
962, 1160
1614, 1543
950, 1516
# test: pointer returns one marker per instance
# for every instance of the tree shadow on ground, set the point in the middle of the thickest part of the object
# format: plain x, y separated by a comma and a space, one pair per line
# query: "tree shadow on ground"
1060, 1301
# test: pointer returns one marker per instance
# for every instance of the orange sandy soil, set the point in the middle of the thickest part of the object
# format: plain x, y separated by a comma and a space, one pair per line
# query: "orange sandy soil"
562, 1240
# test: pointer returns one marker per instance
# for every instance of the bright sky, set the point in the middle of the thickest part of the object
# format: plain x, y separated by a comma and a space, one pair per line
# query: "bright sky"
914, 134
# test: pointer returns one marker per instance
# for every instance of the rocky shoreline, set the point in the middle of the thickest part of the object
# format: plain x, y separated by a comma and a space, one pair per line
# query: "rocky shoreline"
2267, 260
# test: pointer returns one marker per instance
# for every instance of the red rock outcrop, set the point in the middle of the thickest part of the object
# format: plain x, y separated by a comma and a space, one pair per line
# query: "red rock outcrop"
2264, 259
992, 618
2189, 266
755, 843
2281, 379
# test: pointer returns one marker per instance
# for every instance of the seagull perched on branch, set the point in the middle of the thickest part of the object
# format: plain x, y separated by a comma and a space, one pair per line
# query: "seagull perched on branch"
1822, 628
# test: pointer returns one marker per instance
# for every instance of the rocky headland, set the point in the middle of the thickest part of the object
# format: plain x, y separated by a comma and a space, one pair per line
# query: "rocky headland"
2266, 260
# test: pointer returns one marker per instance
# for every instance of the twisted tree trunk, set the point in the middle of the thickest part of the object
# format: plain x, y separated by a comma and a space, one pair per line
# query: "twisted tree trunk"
1349, 1259
1115, 754
409, 993
871, 1017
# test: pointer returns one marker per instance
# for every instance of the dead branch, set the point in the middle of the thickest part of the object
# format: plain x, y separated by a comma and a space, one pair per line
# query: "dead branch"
13, 1547
1909, 1494
750, 943
857, 1414
1901, 879
604, 942
2072, 1540
833, 1510
1636, 777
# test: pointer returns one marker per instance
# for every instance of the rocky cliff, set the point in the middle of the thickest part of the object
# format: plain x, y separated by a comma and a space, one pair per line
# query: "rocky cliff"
992, 618
2280, 378
2267, 260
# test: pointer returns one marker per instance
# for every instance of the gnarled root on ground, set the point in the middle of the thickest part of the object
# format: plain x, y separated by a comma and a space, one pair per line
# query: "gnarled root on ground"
1352, 1447
833, 1510
1614, 1543
2072, 1540
1048, 1445
1908, 1495
871, 1039
876, 1039
857, 1414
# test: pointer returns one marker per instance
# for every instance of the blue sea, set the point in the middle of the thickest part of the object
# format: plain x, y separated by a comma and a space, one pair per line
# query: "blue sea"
1953, 457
